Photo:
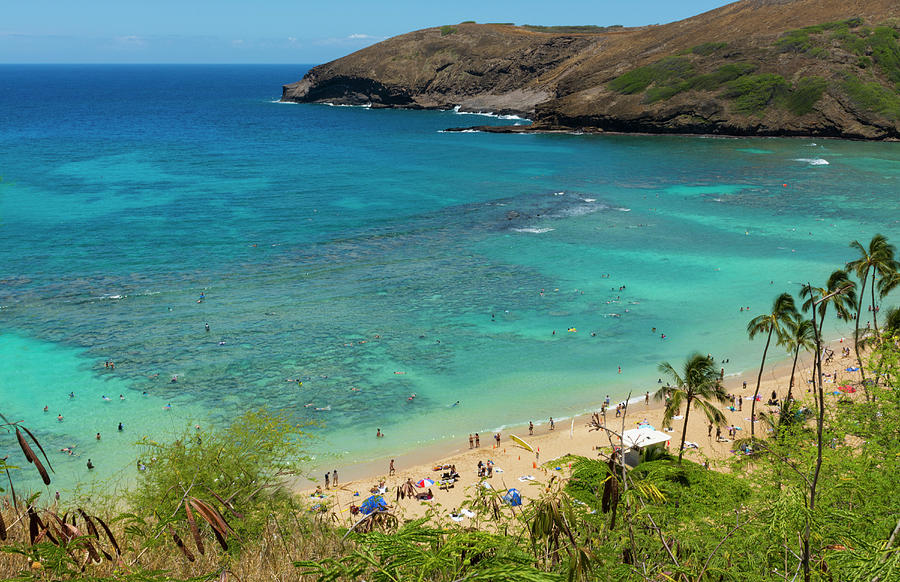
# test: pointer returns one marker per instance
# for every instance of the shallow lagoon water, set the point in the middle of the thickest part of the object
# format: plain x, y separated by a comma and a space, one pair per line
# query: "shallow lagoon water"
373, 256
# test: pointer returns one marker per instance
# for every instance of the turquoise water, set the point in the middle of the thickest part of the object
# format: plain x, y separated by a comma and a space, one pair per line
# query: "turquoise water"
373, 256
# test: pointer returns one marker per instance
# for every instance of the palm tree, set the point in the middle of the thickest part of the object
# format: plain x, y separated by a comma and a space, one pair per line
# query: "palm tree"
891, 329
698, 385
877, 259
844, 302
800, 336
783, 311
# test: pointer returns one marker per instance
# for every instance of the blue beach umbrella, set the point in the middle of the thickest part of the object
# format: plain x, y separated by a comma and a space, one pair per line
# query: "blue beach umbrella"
373, 503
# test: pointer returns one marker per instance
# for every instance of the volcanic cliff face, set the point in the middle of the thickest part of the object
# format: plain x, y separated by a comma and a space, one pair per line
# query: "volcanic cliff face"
755, 67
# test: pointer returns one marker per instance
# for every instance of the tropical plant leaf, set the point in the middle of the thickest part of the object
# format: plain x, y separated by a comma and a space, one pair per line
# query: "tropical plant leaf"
192, 524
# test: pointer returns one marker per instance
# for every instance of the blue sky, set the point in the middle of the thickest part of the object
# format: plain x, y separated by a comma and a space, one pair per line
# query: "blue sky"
274, 31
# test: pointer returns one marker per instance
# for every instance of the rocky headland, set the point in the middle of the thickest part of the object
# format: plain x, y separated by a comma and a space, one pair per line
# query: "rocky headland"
827, 68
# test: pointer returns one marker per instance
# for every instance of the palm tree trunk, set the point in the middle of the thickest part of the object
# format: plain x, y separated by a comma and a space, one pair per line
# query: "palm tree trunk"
793, 369
758, 382
874, 314
862, 294
687, 413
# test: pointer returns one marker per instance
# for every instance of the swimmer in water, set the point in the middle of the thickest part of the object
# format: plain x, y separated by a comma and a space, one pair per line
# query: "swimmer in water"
455, 403
167, 407
59, 418
46, 408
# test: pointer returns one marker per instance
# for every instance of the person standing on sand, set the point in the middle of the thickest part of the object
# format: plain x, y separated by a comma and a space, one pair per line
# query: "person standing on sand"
327, 479
709, 430
647, 398
530, 428
471, 441
334, 478
477, 441
497, 438
391, 469
552, 424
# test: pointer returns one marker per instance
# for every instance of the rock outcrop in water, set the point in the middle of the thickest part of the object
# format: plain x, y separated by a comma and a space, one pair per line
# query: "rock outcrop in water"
755, 67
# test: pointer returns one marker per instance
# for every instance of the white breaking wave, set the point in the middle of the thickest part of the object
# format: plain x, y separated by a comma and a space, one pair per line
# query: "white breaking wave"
534, 230
812, 161
488, 114
330, 104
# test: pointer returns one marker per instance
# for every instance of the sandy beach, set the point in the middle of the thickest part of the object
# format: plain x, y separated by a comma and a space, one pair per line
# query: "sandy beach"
515, 467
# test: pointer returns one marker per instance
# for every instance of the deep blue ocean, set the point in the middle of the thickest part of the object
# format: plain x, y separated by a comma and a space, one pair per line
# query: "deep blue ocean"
372, 256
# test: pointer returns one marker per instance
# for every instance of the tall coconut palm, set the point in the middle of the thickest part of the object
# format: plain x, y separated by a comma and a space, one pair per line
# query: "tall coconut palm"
698, 384
774, 323
877, 259
800, 336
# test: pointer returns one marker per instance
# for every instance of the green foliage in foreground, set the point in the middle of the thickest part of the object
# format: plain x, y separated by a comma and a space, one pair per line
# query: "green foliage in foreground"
245, 464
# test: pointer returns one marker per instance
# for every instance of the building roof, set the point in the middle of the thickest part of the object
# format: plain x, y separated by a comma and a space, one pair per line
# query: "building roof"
640, 438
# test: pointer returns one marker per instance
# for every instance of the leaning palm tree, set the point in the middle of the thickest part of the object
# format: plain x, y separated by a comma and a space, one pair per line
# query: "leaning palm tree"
800, 336
699, 385
773, 323
877, 259
844, 301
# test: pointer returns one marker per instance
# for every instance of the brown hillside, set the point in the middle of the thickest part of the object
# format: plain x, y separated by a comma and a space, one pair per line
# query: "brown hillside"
747, 68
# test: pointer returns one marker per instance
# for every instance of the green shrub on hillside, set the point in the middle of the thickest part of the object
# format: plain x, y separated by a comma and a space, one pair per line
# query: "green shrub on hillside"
805, 94
720, 76
637, 80
708, 48
753, 93
886, 52
872, 97
447, 29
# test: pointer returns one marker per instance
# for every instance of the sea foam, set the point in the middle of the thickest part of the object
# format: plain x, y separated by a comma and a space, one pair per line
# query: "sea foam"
457, 111
812, 161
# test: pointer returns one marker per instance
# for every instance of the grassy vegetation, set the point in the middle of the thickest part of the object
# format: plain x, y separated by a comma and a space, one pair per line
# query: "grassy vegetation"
447, 29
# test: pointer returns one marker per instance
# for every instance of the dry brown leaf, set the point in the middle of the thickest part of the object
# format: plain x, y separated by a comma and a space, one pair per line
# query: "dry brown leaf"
192, 523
